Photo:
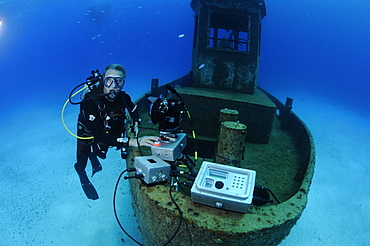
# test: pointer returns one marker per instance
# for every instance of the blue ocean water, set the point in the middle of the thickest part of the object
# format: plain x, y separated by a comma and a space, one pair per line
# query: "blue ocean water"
52, 46
319, 47
315, 50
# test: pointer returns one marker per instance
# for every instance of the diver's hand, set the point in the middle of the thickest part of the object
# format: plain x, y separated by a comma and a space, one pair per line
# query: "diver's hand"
144, 141
136, 128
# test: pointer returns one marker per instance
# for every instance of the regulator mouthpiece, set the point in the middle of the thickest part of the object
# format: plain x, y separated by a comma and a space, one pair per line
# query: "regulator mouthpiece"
111, 95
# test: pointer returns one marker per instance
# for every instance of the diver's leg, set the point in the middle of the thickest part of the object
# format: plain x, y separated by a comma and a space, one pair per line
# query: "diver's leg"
102, 150
96, 166
83, 151
97, 150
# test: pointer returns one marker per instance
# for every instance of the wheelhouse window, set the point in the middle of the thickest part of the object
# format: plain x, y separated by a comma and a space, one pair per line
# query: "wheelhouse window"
229, 32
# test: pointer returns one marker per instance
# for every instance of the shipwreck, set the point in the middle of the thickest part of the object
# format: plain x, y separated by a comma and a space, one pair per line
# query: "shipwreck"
234, 164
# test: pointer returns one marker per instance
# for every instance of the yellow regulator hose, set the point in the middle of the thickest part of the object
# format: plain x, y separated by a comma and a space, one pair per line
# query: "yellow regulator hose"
64, 124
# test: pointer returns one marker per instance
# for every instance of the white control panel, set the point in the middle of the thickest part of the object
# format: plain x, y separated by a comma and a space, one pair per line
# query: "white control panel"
225, 187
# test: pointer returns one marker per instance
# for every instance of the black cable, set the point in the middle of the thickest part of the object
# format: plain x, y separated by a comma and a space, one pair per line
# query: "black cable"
195, 141
170, 88
115, 210
138, 143
123, 229
77, 103
182, 188
272, 194
119, 223
187, 185
181, 217
149, 128
71, 93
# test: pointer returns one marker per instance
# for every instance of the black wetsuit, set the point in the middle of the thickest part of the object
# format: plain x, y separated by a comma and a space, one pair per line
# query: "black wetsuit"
105, 121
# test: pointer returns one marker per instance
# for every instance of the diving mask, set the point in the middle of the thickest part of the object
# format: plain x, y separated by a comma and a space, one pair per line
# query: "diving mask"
119, 81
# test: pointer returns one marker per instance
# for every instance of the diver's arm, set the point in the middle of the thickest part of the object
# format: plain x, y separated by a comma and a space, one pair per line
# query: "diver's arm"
133, 111
143, 141
131, 107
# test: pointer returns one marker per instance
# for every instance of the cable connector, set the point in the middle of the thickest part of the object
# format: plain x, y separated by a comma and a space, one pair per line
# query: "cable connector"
188, 184
191, 178
139, 176
257, 198
261, 195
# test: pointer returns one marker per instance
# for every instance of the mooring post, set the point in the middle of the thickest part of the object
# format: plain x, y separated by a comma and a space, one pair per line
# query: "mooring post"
230, 145
225, 115
286, 113
228, 115
154, 88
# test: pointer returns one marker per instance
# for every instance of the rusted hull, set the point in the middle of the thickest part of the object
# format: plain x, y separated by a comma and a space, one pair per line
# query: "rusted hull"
158, 217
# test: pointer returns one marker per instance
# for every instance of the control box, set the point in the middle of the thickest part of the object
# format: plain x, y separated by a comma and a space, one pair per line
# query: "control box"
170, 150
153, 168
224, 187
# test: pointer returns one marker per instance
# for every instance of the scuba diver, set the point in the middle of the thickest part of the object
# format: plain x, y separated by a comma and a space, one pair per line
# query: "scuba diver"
102, 123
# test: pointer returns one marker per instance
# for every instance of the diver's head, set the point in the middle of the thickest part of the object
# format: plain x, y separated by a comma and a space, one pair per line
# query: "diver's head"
114, 80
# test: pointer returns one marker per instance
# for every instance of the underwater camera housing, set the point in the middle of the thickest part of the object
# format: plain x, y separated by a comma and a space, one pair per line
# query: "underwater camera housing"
170, 115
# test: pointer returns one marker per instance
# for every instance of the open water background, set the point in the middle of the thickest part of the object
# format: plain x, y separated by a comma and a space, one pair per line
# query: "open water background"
316, 52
